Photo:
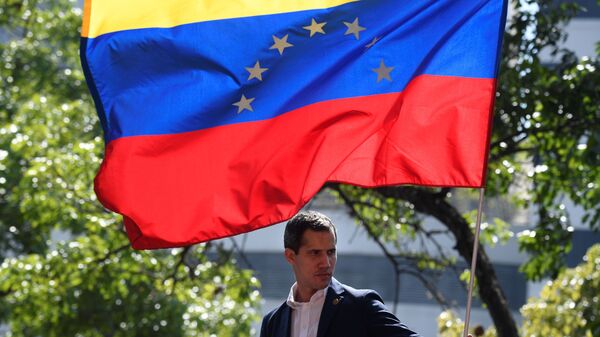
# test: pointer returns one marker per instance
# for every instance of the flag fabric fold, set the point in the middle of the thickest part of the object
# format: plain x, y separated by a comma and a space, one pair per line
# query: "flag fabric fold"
222, 117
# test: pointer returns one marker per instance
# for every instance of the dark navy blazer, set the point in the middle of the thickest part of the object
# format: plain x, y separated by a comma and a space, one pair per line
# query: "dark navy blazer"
347, 312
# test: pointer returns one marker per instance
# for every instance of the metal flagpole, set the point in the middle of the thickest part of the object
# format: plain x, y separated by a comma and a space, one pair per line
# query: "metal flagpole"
473, 263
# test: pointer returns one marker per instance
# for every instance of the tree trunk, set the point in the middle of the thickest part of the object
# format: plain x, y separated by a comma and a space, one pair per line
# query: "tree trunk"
490, 290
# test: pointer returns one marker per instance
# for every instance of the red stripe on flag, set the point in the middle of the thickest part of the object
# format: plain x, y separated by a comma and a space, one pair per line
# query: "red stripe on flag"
180, 189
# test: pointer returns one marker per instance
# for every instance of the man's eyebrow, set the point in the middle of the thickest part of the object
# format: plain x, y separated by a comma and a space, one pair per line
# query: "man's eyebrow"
316, 250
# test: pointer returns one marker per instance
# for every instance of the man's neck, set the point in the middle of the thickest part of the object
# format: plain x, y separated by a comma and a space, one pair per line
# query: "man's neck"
304, 294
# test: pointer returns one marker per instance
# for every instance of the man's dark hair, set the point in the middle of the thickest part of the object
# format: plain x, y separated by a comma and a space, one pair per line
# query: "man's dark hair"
295, 228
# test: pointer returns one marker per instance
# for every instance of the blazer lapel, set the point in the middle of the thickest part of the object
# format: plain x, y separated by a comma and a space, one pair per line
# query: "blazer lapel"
333, 301
286, 320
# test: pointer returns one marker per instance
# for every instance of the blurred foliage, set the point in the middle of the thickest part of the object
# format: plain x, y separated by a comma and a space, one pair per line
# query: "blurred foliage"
450, 325
49, 138
491, 234
92, 287
571, 302
568, 306
91, 283
545, 147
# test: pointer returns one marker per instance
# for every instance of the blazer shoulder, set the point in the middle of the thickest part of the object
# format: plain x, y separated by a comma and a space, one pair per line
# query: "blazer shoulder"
361, 293
367, 306
272, 320
276, 312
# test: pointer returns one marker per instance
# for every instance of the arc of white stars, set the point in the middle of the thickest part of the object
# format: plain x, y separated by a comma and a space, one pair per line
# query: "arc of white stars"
244, 104
256, 71
383, 72
281, 44
315, 27
354, 28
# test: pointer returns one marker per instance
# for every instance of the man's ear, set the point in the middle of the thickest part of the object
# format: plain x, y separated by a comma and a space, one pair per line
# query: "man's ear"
290, 256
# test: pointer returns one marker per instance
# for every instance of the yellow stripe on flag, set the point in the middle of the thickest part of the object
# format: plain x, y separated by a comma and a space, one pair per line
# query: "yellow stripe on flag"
105, 16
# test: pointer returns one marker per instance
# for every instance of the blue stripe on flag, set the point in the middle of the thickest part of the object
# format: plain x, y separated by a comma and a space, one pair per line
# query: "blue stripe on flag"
164, 81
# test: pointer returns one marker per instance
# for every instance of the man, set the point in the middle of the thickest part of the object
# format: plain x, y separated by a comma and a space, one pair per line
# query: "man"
318, 305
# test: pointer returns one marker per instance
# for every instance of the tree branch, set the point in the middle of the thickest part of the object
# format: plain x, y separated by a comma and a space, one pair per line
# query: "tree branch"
181, 261
489, 288
390, 256
383, 248
437, 295
241, 253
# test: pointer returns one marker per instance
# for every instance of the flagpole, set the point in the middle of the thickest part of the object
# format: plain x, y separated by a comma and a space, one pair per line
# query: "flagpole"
473, 263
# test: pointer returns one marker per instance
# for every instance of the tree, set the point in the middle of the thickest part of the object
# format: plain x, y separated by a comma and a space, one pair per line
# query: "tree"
91, 283
567, 306
545, 149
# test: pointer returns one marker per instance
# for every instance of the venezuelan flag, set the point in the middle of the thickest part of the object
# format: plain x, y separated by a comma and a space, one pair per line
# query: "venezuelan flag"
224, 116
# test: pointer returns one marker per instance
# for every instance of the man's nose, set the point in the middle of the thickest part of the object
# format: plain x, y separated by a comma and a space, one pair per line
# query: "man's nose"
325, 261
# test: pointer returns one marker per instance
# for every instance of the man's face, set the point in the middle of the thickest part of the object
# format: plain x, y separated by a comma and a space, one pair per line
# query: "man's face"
315, 261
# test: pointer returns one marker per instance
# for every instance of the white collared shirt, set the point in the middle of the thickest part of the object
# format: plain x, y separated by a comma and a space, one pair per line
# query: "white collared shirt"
306, 315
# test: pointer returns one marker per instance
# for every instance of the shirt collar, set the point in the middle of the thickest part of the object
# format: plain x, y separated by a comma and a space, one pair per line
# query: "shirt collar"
291, 302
